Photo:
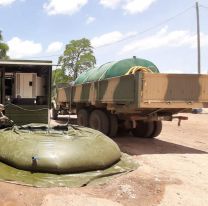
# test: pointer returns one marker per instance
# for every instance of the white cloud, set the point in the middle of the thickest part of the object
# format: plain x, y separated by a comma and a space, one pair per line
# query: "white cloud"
129, 6
54, 47
90, 20
67, 7
23, 48
110, 38
204, 40
137, 6
6, 2
110, 3
164, 38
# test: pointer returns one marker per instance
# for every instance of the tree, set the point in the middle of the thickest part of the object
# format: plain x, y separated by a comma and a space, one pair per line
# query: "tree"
58, 76
78, 56
3, 48
59, 79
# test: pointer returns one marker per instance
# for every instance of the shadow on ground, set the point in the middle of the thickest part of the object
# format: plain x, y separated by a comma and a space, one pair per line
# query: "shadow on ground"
136, 146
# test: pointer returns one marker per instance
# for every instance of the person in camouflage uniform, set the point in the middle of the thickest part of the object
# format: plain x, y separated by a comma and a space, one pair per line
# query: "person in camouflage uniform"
4, 120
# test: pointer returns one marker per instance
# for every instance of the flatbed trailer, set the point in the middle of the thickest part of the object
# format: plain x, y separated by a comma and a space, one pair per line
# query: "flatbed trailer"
137, 102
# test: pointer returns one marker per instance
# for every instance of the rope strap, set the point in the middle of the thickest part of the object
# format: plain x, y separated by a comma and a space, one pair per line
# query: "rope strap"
29, 110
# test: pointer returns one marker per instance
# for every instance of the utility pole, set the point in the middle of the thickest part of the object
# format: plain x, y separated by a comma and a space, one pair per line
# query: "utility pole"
198, 38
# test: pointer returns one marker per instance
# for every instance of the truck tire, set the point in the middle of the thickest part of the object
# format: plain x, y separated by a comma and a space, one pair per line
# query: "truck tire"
143, 129
83, 118
54, 114
113, 127
157, 128
99, 121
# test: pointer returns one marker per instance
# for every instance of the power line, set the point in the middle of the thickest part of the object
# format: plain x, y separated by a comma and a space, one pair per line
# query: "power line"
150, 28
205, 7
133, 36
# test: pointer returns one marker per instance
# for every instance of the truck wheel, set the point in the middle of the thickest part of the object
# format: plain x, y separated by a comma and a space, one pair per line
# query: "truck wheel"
157, 128
99, 121
143, 129
113, 125
83, 117
54, 114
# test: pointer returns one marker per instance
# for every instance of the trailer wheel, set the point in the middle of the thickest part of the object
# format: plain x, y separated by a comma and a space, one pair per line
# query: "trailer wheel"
143, 129
113, 127
54, 114
83, 117
99, 121
157, 128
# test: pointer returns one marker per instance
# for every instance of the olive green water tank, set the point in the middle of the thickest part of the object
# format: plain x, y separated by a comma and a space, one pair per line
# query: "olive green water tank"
59, 150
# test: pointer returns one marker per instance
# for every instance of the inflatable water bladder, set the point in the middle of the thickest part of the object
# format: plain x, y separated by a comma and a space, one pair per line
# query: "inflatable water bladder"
61, 149
61, 156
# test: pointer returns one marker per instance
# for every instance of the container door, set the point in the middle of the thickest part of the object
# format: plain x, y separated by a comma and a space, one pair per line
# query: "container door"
0, 87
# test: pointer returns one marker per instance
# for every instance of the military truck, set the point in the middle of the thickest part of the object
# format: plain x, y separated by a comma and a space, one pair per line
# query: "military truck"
131, 94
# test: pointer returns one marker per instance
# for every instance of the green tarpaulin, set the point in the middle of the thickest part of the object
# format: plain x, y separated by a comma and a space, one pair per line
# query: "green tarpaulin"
69, 156
13, 175
113, 69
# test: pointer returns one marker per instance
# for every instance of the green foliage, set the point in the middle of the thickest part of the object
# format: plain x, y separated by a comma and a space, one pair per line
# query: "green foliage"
59, 76
78, 57
3, 48
59, 79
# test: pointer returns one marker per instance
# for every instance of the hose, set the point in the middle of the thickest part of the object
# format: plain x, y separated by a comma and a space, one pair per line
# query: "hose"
136, 69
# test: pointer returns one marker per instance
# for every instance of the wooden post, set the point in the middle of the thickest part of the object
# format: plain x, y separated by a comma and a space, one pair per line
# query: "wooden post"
198, 38
3, 87
49, 86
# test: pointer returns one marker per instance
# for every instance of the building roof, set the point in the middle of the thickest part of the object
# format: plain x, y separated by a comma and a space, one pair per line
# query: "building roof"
25, 62
27, 66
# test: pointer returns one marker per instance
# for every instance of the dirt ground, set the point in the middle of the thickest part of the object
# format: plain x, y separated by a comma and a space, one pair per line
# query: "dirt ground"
173, 171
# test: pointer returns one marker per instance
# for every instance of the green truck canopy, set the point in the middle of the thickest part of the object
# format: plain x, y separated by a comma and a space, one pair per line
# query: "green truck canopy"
113, 69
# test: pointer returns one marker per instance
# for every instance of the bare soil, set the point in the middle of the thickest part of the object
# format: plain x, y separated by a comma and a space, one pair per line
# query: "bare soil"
173, 171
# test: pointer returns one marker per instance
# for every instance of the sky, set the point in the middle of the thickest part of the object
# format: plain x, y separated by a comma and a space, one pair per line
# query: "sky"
161, 31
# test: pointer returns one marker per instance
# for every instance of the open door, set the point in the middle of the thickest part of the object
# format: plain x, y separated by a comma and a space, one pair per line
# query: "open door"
25, 90
2, 86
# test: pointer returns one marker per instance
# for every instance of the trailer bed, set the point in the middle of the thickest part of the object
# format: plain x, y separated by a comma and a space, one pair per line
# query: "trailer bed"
141, 91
